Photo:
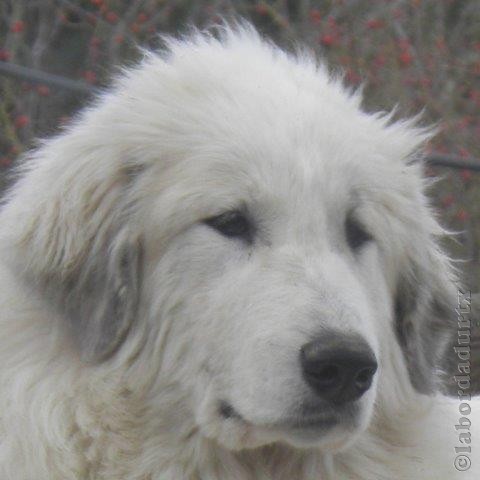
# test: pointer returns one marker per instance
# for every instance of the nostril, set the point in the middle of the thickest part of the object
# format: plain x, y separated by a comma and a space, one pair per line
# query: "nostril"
364, 377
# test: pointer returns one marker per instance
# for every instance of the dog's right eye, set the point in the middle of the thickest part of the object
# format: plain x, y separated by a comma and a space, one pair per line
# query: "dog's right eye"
232, 224
356, 235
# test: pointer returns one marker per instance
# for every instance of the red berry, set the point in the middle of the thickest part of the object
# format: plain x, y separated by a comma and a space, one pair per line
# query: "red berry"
111, 17
398, 13
380, 60
17, 26
14, 150
405, 58
89, 76
462, 215
448, 200
332, 22
441, 44
404, 44
119, 39
425, 82
43, 90
463, 123
327, 40
4, 55
5, 161
261, 9
466, 174
375, 24
352, 77
95, 42
315, 16
21, 121
142, 17
97, 3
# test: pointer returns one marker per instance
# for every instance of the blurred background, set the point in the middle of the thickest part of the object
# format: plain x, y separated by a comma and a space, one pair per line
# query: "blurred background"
417, 54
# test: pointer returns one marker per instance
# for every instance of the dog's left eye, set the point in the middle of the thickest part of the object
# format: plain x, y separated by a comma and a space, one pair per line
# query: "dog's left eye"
356, 235
232, 224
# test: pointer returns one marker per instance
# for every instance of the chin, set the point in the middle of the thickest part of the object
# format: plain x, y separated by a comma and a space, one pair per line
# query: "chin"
329, 433
328, 429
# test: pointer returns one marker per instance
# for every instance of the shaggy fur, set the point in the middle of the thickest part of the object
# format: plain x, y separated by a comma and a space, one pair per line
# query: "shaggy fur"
139, 343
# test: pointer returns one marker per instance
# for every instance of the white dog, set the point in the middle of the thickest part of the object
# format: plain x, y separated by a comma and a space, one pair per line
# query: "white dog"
226, 270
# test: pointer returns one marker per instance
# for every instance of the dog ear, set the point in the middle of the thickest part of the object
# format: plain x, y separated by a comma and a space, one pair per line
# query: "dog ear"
70, 230
100, 302
425, 303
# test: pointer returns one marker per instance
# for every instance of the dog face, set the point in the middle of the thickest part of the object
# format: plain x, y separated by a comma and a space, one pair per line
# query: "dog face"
263, 243
268, 294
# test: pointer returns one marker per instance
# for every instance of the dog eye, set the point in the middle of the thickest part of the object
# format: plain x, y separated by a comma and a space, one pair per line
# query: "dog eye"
233, 224
356, 235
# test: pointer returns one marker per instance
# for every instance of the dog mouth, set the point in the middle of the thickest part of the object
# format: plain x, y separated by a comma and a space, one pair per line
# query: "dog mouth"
308, 421
325, 427
226, 411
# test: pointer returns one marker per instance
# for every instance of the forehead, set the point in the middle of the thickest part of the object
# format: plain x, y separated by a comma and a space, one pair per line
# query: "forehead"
236, 126
268, 147
289, 173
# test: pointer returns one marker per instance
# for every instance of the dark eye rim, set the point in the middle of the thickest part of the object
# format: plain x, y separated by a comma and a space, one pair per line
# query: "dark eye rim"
232, 224
356, 234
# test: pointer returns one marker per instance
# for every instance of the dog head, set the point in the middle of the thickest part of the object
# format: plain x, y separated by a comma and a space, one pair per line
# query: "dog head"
230, 215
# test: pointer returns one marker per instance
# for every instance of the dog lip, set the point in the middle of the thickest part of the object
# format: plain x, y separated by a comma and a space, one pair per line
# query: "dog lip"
311, 423
226, 410
306, 422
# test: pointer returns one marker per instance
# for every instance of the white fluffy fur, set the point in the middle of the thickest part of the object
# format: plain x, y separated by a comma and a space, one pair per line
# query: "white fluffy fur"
203, 128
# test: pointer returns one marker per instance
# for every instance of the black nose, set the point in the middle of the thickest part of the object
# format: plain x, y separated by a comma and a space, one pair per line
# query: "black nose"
339, 368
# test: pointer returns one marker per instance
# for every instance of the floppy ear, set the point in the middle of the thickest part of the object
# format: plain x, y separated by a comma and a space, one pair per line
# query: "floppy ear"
425, 303
72, 240
100, 301
423, 283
